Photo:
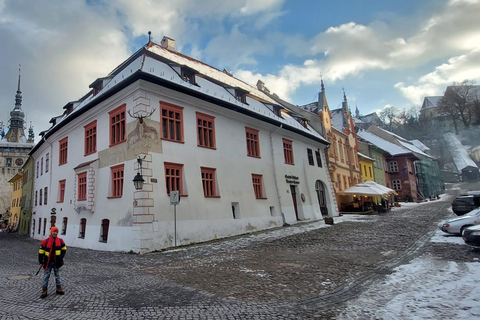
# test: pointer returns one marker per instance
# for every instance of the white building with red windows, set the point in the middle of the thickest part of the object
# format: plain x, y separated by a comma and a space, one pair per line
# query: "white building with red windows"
240, 161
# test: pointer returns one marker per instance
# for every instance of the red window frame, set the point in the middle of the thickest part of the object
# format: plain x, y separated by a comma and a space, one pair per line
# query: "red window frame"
205, 131
174, 177
117, 180
171, 122
253, 143
288, 151
62, 152
90, 138
61, 193
82, 186
118, 125
257, 181
209, 182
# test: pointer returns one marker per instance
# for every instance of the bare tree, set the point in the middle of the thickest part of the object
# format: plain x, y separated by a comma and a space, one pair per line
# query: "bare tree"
389, 116
459, 102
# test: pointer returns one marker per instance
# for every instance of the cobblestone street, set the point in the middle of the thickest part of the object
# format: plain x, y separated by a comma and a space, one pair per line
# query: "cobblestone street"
299, 272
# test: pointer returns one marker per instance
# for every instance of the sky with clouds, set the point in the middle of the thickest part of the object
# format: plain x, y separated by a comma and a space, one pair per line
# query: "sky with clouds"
383, 53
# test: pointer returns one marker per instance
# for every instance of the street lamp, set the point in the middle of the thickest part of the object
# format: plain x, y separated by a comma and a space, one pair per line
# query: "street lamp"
138, 180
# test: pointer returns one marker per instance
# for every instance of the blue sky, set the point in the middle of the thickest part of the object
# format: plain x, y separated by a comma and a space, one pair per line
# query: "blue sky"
383, 53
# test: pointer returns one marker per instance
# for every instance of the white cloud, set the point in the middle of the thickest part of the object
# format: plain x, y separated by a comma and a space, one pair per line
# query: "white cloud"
457, 69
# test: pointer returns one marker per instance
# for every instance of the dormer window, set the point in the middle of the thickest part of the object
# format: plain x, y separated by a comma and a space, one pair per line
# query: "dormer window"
241, 95
98, 85
188, 75
304, 122
277, 110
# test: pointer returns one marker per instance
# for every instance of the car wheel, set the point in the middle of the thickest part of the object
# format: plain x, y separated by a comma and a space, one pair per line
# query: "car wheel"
463, 229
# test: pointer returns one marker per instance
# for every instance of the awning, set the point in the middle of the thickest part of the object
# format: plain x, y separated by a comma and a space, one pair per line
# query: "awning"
368, 188
373, 183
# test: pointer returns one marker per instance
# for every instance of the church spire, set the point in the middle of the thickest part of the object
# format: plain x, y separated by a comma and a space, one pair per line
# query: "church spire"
18, 96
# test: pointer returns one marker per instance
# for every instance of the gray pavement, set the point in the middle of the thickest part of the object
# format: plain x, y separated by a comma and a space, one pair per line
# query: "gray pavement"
300, 272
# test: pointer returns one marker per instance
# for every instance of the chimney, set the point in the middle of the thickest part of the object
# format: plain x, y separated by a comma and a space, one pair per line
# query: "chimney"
168, 43
261, 86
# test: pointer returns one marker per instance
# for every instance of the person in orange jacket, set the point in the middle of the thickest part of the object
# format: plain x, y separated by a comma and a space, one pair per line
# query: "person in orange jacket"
50, 256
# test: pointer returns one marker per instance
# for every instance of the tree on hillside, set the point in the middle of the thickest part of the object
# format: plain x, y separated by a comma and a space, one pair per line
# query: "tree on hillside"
389, 116
459, 102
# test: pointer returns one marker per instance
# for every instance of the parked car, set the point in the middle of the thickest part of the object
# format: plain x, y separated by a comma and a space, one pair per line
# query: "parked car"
465, 204
471, 236
458, 225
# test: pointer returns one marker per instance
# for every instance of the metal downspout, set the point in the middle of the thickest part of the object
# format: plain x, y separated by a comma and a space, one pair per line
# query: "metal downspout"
275, 172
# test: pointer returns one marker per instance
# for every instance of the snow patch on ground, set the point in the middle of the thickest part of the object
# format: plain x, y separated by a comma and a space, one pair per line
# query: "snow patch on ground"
426, 288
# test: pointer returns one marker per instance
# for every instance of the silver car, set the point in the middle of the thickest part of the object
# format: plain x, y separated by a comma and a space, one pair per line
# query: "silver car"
457, 225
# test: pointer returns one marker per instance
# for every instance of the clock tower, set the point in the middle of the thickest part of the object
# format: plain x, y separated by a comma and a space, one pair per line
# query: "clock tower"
14, 149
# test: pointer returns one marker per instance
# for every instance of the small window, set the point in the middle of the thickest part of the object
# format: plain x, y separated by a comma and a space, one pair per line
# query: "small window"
38, 169
47, 162
253, 143
91, 138
63, 151
45, 195
396, 185
64, 226
82, 186
319, 158
208, 181
104, 230
188, 75
41, 166
174, 177
205, 130
241, 95
310, 157
393, 166
288, 151
44, 225
9, 162
83, 228
117, 181
171, 120
36, 198
39, 225
40, 198
257, 181
370, 171
61, 191
118, 125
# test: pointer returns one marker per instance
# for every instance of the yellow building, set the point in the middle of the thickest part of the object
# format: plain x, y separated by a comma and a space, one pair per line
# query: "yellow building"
366, 165
15, 206
344, 165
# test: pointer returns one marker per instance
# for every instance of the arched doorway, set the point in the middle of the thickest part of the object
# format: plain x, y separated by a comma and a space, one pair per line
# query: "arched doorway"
322, 200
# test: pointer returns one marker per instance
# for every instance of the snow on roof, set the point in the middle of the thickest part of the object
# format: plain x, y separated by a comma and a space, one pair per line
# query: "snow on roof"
391, 148
369, 117
358, 120
337, 119
460, 156
430, 102
162, 70
420, 145
413, 148
207, 70
365, 156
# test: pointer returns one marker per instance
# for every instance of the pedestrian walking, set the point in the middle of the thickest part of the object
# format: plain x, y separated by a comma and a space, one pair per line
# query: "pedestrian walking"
50, 256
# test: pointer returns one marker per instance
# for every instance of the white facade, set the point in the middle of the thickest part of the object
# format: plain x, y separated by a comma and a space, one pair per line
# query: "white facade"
143, 221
